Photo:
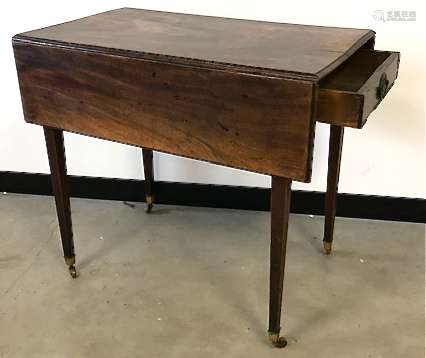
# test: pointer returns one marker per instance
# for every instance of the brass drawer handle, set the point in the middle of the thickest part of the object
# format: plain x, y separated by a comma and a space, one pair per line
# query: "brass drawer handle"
383, 87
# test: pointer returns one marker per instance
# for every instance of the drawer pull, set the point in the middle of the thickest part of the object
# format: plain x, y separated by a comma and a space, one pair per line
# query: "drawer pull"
383, 87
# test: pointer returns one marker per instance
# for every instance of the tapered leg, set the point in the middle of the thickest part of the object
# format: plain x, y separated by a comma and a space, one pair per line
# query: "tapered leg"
280, 209
58, 169
334, 156
149, 178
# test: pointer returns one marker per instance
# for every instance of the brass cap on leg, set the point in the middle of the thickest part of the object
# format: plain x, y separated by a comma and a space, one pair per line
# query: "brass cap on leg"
70, 262
73, 271
277, 340
327, 247
149, 203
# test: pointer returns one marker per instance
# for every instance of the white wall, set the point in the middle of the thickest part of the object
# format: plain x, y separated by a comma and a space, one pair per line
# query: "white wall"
387, 157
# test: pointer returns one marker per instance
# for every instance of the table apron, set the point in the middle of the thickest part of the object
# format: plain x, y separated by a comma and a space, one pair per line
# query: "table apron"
256, 123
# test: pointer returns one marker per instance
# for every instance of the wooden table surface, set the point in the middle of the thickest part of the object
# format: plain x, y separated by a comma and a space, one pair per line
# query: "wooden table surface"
282, 49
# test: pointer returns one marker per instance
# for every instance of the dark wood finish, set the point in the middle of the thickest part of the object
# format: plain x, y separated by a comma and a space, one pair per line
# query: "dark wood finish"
148, 169
238, 93
334, 158
280, 209
58, 169
255, 123
251, 46
349, 94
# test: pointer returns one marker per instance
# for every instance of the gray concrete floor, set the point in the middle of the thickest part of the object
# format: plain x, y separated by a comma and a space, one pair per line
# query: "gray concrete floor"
192, 282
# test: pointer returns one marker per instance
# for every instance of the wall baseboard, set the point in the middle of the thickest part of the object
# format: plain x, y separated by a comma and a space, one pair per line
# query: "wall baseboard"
219, 196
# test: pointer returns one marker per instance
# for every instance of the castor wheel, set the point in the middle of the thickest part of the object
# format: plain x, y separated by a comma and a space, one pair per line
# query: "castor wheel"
70, 261
277, 340
327, 247
149, 203
73, 271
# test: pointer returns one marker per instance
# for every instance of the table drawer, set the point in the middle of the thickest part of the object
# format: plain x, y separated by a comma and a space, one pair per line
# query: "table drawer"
350, 93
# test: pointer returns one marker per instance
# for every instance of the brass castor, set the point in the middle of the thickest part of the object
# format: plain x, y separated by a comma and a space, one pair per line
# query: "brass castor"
277, 340
73, 271
149, 203
327, 247
70, 261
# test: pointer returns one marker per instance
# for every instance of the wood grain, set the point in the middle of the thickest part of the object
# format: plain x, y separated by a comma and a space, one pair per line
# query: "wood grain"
253, 46
255, 123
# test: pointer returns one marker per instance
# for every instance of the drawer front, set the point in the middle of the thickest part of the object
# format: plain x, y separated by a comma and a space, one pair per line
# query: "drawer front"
255, 123
349, 94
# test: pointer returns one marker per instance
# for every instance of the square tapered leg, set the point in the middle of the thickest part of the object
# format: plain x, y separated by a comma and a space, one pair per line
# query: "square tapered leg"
280, 210
58, 169
334, 158
149, 178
